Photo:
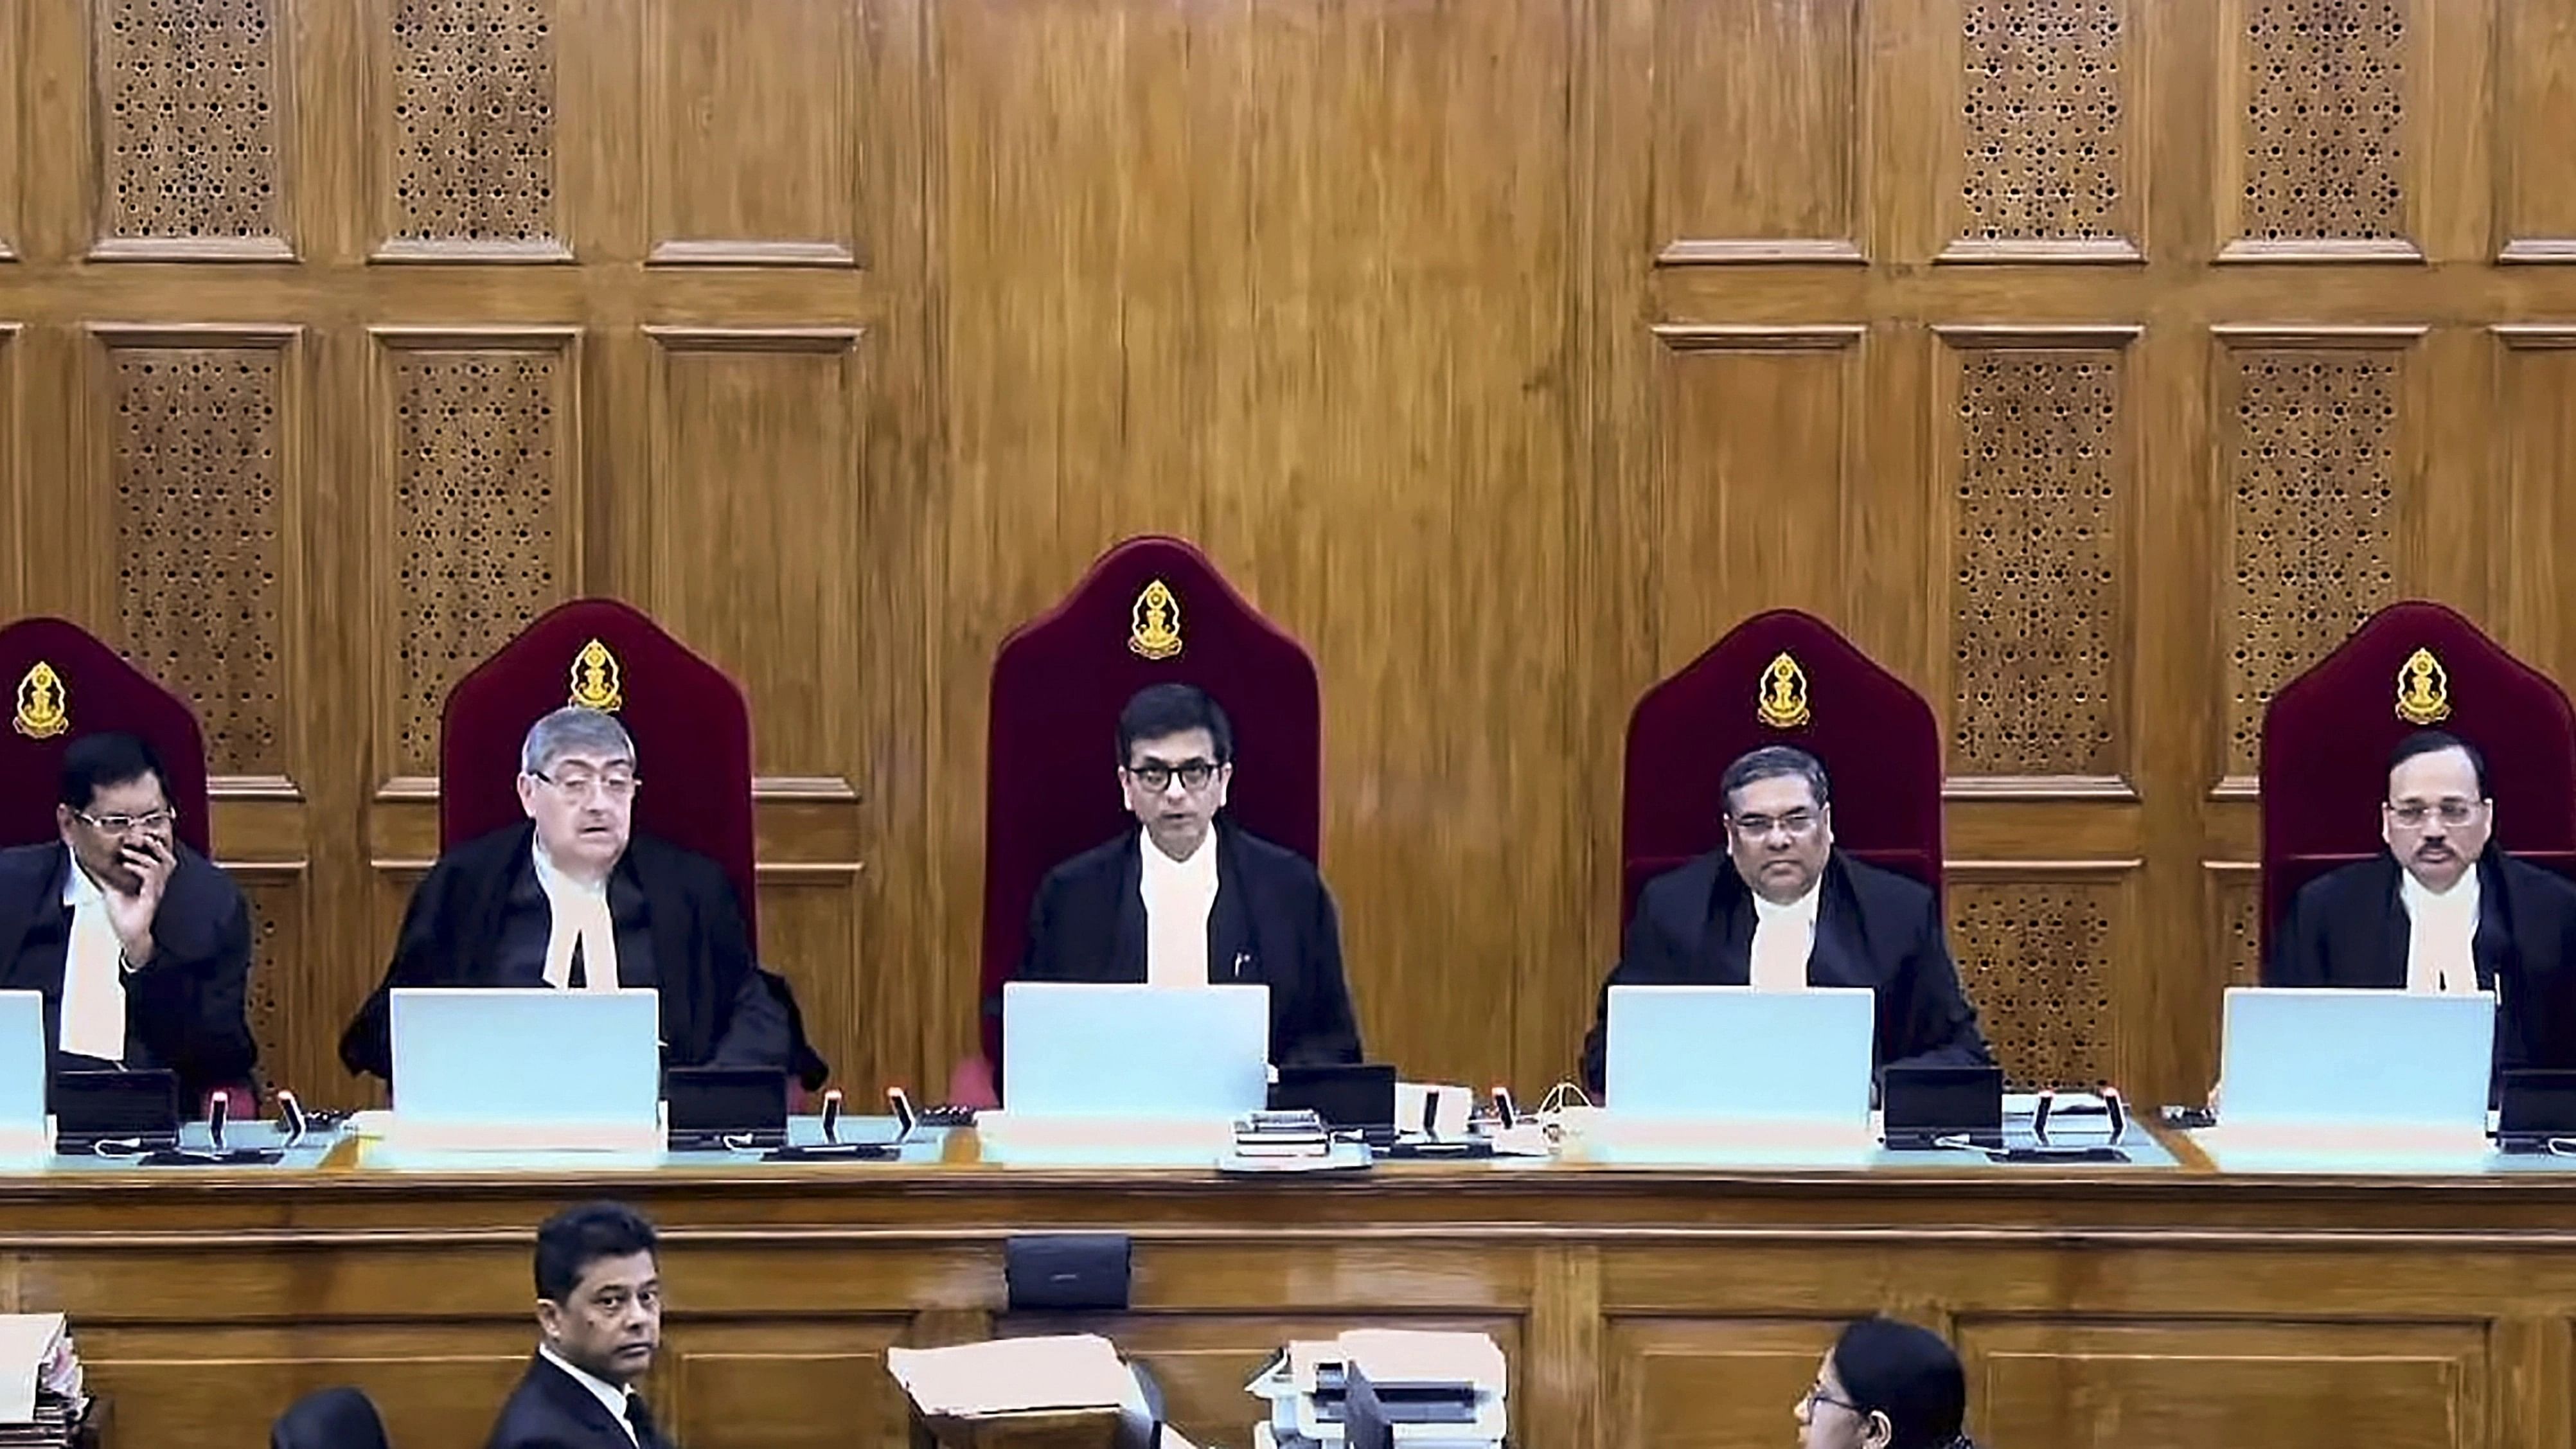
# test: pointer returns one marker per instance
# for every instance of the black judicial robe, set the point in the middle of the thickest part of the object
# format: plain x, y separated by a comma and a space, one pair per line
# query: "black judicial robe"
718, 1007
184, 1009
2349, 927
550, 1410
1874, 928
1272, 924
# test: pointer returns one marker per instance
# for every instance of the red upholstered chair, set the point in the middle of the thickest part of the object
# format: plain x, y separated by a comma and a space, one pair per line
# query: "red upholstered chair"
2327, 734
1782, 678
64, 684
1058, 684
691, 727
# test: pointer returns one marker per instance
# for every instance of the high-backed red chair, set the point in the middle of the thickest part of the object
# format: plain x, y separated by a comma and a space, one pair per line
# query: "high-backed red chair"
1782, 678
1151, 610
692, 732
2413, 665
64, 684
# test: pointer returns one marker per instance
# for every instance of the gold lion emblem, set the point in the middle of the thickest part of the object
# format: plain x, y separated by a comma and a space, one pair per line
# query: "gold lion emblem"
43, 710
596, 680
1154, 625
2423, 689
1781, 703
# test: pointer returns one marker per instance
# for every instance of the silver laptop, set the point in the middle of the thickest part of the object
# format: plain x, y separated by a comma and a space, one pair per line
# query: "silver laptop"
1720, 1053
2346, 1058
532, 1068
1073, 1049
24, 1062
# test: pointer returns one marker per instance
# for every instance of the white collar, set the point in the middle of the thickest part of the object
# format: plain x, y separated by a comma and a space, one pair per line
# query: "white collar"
2461, 899
78, 889
610, 1396
554, 882
1199, 866
1801, 909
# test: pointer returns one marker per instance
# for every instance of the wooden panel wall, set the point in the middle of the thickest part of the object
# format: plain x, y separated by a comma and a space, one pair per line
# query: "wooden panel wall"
2092, 362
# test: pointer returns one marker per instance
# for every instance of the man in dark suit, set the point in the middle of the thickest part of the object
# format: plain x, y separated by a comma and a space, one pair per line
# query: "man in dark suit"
1191, 900
575, 900
1780, 909
139, 945
599, 1320
2442, 910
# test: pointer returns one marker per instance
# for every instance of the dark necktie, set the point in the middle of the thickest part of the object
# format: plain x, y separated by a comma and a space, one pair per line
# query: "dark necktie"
640, 1418
579, 980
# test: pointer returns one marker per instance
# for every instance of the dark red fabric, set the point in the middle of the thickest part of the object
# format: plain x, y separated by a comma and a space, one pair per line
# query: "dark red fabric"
2327, 735
1051, 788
691, 727
101, 692
1879, 741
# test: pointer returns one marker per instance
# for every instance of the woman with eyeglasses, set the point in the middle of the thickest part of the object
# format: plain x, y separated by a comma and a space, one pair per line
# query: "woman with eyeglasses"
1886, 1385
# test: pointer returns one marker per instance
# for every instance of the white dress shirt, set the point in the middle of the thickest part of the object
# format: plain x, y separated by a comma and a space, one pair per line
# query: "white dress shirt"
610, 1396
579, 912
1783, 936
1178, 896
2441, 935
93, 1019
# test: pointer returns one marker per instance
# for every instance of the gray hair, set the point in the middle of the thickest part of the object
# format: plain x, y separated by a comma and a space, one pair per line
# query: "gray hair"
1775, 762
569, 729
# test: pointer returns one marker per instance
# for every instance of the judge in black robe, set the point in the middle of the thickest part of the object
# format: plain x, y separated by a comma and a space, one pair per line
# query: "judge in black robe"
2351, 927
1874, 928
481, 917
184, 1009
1270, 922
1695, 925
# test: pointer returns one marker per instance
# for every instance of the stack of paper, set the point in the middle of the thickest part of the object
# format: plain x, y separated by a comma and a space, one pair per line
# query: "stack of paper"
1437, 1390
42, 1400
1055, 1391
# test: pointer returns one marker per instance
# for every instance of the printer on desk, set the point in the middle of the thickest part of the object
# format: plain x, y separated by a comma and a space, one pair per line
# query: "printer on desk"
1385, 1389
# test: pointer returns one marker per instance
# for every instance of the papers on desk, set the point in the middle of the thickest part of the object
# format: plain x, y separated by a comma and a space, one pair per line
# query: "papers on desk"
1024, 1390
41, 1392
1438, 1390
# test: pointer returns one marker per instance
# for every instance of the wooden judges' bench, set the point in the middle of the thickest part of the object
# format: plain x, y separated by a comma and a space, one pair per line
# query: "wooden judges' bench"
2179, 1307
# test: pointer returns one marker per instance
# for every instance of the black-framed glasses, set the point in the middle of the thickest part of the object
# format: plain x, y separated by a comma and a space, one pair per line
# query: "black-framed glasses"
161, 819
1157, 777
2449, 812
577, 785
1816, 1395
1798, 823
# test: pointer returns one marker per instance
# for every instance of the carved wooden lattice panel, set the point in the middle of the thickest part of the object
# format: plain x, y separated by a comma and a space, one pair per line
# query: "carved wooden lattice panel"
474, 120
2310, 454
478, 520
2035, 959
276, 948
189, 118
2325, 119
2045, 119
198, 523
2034, 573
2238, 900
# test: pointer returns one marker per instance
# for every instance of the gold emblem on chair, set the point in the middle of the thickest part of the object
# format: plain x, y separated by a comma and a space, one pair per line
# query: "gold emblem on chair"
1154, 625
43, 712
1781, 703
595, 679
2423, 689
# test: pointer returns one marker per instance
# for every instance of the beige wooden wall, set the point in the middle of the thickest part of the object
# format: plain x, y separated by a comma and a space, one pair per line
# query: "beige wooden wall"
2095, 363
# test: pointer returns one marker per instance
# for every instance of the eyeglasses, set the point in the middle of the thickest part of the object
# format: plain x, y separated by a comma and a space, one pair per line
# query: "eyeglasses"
1756, 827
1816, 1395
2449, 812
1157, 777
161, 819
615, 787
